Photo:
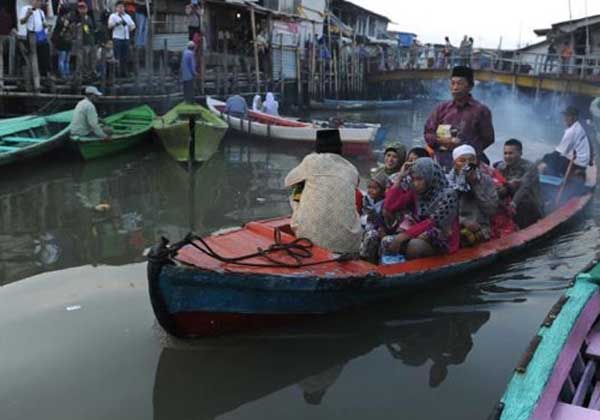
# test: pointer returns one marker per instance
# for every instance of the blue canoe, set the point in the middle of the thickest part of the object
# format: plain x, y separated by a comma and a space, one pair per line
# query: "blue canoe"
27, 137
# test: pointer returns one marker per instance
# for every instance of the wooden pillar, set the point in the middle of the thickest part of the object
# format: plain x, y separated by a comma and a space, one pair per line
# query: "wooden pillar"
149, 39
313, 59
2, 41
282, 75
225, 59
330, 53
33, 60
299, 74
256, 63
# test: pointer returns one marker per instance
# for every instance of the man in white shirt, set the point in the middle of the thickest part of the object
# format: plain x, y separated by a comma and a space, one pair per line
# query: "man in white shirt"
575, 146
121, 25
32, 29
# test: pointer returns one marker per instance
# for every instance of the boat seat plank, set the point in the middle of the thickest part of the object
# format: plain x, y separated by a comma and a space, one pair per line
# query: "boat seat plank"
14, 139
593, 340
564, 411
595, 398
584, 384
8, 148
578, 369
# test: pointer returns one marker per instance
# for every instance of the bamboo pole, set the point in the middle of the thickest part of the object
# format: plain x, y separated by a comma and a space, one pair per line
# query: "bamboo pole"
335, 75
33, 59
313, 59
282, 76
225, 59
299, 74
256, 63
330, 53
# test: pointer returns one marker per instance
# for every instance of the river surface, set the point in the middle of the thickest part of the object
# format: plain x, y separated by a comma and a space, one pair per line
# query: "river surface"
78, 337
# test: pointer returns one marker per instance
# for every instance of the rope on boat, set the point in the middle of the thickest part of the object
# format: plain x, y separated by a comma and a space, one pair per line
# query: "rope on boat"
299, 250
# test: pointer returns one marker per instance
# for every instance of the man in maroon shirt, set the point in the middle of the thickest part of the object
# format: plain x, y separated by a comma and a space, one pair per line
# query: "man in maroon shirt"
462, 120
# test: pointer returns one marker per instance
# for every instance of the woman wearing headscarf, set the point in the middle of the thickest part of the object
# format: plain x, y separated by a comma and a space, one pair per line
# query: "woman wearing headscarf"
257, 103
271, 106
433, 208
326, 211
394, 157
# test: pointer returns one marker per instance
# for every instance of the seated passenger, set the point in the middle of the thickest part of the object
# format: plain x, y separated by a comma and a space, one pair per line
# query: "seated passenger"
271, 106
575, 145
326, 212
394, 157
434, 211
478, 200
416, 153
257, 103
372, 204
522, 185
236, 106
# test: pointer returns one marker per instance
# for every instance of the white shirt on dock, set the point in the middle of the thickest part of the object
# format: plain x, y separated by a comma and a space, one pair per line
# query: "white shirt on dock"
120, 31
575, 139
35, 23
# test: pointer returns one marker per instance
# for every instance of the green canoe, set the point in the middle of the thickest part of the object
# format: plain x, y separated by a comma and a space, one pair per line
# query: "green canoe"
173, 131
129, 128
30, 136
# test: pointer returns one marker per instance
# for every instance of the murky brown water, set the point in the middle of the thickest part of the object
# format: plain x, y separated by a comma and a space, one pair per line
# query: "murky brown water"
78, 337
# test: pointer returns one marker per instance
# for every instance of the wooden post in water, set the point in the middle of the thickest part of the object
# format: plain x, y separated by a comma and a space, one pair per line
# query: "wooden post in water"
33, 60
225, 60
299, 74
256, 63
281, 73
149, 41
163, 64
192, 143
136, 68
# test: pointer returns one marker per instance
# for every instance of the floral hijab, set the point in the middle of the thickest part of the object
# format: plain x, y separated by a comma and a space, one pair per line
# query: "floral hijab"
439, 202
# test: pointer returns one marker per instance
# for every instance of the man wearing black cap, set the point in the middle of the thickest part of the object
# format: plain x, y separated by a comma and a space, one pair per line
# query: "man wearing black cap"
575, 145
462, 120
326, 211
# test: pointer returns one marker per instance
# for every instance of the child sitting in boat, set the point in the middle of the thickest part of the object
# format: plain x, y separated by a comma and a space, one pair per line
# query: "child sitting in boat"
433, 207
372, 203
478, 199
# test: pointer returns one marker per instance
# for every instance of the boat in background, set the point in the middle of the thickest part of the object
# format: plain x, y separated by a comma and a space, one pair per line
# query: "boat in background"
129, 128
198, 288
357, 137
356, 105
173, 130
557, 377
30, 136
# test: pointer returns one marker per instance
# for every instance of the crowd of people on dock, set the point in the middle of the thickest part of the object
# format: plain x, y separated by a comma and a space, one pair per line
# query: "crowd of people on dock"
436, 199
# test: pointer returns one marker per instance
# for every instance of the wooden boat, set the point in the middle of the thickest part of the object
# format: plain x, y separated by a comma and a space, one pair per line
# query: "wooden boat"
195, 294
350, 105
129, 128
557, 376
357, 137
30, 136
174, 132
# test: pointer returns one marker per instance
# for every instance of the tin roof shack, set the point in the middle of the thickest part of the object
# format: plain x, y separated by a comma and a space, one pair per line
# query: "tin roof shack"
583, 35
364, 22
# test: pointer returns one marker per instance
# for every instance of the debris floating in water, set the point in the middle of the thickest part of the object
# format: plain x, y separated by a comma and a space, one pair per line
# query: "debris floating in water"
261, 200
73, 308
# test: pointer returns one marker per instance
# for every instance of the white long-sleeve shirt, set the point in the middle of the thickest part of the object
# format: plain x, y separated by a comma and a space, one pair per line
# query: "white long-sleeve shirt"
575, 139
35, 22
120, 31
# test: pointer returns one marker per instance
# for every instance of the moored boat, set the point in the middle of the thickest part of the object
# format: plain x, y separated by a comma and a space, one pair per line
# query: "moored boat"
27, 137
557, 376
357, 137
129, 128
198, 287
173, 130
356, 105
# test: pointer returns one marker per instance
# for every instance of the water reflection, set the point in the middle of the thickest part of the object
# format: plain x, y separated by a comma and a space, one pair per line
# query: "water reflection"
208, 379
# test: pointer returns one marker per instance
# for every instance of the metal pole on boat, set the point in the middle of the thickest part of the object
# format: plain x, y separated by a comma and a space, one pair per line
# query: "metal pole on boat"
192, 143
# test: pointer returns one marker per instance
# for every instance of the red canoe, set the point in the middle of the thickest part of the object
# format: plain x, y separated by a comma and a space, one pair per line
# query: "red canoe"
194, 294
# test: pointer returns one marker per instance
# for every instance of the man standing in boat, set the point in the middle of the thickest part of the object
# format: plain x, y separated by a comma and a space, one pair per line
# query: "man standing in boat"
463, 120
85, 117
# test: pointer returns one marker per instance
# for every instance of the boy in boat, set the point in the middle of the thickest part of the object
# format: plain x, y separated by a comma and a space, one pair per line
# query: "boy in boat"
574, 150
478, 199
522, 184
394, 157
372, 204
85, 121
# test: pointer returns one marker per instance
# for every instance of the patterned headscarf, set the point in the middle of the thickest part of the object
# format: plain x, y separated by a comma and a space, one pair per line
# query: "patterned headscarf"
439, 202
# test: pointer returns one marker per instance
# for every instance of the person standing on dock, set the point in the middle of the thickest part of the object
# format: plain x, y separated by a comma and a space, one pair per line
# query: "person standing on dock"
188, 72
85, 117
463, 120
121, 24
